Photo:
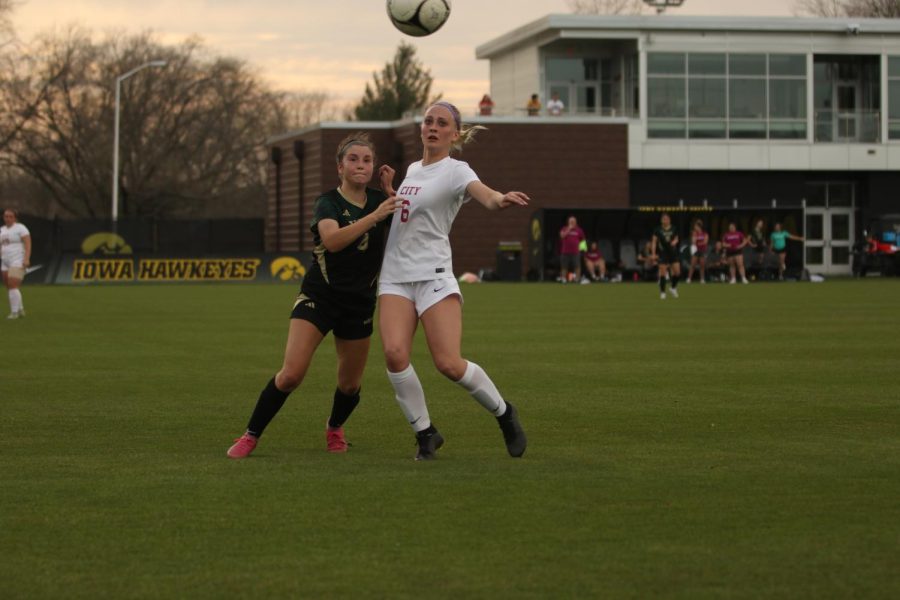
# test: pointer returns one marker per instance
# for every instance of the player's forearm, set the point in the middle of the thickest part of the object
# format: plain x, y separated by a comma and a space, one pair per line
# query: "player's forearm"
344, 236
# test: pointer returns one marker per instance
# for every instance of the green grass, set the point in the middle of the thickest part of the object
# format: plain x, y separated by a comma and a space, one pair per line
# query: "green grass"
742, 441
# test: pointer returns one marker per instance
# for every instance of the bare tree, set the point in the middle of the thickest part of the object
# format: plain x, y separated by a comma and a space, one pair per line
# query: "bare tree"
879, 9
606, 7
191, 133
885, 9
17, 100
303, 108
820, 8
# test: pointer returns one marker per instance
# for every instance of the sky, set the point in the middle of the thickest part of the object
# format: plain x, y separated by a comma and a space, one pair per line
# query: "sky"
332, 46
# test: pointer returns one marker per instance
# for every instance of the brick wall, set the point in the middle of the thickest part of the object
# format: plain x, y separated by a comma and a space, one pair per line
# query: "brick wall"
582, 165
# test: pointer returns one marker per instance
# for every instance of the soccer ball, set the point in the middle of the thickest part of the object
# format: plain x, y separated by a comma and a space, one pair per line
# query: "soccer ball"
418, 17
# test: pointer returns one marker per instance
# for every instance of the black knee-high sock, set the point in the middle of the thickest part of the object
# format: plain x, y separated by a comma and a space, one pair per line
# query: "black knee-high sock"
271, 399
342, 407
674, 282
662, 284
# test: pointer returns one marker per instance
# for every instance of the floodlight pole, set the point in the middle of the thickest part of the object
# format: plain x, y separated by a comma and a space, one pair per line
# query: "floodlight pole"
115, 177
662, 5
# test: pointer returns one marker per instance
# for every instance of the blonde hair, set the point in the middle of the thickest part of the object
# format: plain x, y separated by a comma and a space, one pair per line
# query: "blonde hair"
466, 132
360, 138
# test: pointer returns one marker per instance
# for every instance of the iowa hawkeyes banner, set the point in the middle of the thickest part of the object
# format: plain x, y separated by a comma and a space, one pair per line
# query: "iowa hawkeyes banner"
124, 268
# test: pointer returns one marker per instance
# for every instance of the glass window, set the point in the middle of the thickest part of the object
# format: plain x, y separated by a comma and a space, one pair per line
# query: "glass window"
706, 98
666, 129
815, 195
747, 130
665, 97
815, 255
572, 69
706, 64
787, 130
894, 66
894, 130
747, 98
787, 99
707, 129
815, 227
787, 65
839, 194
894, 99
665, 64
747, 64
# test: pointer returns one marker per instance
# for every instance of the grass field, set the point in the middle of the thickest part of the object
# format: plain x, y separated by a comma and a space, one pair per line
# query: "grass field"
742, 441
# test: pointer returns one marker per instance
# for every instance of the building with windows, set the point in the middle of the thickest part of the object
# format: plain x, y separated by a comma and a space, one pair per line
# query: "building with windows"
728, 111
741, 118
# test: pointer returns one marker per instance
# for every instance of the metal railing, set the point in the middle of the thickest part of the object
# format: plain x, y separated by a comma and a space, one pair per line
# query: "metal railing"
841, 126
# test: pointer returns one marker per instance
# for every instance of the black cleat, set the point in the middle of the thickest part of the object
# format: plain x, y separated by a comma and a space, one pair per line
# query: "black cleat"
513, 434
428, 444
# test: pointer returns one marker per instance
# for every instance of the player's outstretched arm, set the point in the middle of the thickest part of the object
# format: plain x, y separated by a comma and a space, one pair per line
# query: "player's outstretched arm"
494, 200
335, 238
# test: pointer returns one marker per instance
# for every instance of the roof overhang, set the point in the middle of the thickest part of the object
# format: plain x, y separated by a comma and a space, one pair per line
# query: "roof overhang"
554, 27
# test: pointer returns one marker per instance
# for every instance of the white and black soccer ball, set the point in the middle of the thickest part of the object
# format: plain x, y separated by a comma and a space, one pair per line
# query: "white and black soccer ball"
418, 17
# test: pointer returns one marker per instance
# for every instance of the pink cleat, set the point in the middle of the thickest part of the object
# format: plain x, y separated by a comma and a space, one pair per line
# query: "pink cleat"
243, 446
334, 436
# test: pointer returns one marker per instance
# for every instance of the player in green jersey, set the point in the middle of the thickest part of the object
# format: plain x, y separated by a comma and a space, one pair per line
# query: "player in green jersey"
337, 294
664, 247
780, 239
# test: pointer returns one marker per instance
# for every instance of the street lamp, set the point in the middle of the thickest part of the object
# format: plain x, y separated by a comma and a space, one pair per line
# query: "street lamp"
662, 5
115, 178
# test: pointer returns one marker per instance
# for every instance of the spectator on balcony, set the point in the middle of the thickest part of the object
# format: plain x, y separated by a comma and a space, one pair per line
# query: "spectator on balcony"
555, 107
534, 106
486, 106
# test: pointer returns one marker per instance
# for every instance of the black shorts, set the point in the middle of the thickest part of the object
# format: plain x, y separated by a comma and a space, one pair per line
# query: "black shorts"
349, 320
569, 262
731, 253
668, 258
700, 253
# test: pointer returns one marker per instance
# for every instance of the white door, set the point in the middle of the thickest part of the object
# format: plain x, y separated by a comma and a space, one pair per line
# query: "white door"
846, 122
829, 240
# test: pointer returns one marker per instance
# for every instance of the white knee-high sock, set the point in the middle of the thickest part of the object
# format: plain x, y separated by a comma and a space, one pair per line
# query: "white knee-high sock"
411, 398
477, 383
15, 301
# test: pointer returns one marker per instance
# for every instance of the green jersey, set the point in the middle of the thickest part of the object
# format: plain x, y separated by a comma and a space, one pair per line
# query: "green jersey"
664, 239
353, 271
779, 240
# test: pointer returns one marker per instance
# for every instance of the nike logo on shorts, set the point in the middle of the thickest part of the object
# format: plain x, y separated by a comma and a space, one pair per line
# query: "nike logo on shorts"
436, 290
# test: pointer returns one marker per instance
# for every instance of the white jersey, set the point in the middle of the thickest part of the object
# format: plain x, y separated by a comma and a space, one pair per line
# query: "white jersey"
418, 244
12, 248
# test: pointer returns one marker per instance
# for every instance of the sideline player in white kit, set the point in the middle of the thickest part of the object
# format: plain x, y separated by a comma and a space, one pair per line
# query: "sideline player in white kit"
417, 281
15, 257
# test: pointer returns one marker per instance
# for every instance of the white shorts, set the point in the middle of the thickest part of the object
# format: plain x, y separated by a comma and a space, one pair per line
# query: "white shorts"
424, 294
11, 263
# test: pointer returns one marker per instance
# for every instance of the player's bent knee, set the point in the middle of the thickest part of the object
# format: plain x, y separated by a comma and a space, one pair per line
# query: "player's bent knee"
288, 381
396, 359
451, 368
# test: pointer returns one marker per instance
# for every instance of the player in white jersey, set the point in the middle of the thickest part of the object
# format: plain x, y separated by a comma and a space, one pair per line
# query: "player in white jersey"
417, 281
15, 258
